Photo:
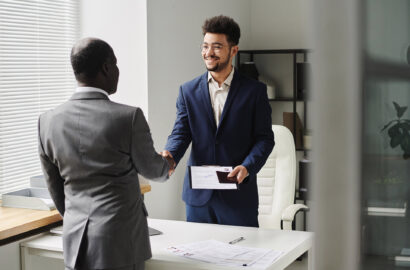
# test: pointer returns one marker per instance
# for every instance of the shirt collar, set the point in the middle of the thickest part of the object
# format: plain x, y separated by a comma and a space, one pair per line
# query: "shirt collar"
83, 89
227, 81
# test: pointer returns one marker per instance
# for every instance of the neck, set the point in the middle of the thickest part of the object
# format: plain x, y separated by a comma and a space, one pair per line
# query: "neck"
92, 84
220, 76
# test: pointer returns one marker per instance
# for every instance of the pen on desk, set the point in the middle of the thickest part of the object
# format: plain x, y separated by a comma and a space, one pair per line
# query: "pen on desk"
236, 240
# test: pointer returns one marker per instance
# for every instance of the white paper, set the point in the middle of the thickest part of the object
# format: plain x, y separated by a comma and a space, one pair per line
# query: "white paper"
212, 251
205, 177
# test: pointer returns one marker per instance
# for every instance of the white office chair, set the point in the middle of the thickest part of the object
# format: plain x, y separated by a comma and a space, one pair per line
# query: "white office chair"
276, 184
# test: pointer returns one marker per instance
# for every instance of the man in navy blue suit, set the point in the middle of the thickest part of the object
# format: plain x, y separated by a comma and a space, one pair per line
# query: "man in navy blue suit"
227, 117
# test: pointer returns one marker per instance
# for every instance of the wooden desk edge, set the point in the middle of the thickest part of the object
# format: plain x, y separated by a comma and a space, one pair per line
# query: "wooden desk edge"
31, 224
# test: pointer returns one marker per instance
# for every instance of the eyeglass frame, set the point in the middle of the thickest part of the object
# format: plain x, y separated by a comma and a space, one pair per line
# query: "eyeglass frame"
216, 47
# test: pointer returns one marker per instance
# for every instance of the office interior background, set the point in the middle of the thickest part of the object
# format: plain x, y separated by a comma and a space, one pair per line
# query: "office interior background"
360, 56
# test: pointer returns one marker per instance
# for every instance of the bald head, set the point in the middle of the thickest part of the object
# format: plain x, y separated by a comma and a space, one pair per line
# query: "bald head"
88, 57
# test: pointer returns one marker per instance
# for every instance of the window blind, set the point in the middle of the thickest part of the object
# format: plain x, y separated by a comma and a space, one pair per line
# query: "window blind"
36, 37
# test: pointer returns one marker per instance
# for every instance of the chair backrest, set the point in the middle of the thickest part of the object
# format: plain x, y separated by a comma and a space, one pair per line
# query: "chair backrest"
276, 180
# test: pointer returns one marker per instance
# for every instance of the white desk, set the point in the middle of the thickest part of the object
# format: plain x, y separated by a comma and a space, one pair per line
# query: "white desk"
292, 243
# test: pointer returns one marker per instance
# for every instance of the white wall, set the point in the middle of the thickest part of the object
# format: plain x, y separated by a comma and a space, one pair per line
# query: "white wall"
123, 24
279, 24
174, 37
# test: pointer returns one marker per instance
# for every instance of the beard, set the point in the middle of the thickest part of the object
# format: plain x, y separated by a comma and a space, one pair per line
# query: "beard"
219, 66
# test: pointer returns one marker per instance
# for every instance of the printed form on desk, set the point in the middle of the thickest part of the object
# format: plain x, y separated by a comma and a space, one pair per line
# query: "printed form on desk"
212, 251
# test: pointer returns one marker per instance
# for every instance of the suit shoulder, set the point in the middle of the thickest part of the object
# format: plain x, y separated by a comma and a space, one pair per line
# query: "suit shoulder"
51, 112
124, 109
194, 83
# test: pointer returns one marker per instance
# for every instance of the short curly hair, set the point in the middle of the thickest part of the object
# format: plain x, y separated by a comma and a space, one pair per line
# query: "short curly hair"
88, 60
223, 25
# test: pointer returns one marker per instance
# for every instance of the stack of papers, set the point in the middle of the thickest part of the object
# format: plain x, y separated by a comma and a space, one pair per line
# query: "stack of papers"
212, 251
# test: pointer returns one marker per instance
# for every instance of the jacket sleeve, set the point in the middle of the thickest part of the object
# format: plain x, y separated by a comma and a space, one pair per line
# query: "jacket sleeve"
146, 160
263, 134
55, 182
180, 137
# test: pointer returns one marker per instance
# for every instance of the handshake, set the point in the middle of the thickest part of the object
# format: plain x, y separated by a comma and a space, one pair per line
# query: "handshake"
171, 162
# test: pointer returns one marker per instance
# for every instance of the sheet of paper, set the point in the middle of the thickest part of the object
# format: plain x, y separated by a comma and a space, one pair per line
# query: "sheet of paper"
212, 251
205, 177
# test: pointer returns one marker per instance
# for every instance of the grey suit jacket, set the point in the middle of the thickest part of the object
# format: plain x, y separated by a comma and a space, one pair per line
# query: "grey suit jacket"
91, 150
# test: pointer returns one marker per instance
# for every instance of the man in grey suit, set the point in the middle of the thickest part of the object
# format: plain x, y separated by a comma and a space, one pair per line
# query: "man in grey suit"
91, 151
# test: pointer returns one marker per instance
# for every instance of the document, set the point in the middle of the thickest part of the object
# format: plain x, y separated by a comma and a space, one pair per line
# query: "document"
211, 177
216, 252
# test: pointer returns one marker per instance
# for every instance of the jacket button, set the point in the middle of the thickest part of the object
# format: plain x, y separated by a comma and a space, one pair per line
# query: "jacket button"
216, 142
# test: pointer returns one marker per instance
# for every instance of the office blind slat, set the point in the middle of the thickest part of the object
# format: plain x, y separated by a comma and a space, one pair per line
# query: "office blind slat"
17, 136
36, 37
14, 84
29, 162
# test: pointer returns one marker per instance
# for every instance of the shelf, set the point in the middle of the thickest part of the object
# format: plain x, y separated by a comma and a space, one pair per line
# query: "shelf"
285, 99
275, 51
302, 149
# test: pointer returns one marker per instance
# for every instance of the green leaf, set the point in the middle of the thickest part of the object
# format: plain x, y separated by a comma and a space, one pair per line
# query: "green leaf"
405, 126
386, 126
395, 140
394, 131
400, 110
405, 143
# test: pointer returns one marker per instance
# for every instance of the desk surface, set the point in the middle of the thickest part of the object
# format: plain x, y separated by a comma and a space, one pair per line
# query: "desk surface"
292, 243
14, 221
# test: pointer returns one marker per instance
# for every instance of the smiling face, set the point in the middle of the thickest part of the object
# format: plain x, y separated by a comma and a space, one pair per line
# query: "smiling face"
217, 53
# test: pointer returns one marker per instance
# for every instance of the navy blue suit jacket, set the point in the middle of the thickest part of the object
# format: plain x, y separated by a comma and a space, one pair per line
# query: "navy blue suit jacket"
243, 137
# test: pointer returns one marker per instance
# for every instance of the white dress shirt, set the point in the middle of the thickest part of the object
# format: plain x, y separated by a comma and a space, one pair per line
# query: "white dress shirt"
83, 89
219, 94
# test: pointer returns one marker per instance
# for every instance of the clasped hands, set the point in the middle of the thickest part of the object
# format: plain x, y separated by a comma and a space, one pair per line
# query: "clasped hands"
239, 172
171, 162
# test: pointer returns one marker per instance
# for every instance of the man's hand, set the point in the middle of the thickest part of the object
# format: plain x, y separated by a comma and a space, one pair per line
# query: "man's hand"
240, 172
171, 162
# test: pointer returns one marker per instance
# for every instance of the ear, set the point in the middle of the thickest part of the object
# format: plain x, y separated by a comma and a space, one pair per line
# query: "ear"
234, 50
105, 69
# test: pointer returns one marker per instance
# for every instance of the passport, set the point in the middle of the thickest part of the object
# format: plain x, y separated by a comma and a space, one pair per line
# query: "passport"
224, 179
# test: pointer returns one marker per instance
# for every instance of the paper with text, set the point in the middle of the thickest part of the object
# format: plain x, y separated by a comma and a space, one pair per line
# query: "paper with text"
205, 177
212, 251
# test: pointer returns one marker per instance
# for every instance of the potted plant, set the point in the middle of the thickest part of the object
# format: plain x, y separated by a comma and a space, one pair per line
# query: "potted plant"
399, 131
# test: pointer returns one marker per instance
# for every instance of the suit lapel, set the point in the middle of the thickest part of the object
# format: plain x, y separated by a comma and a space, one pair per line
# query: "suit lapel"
233, 90
207, 100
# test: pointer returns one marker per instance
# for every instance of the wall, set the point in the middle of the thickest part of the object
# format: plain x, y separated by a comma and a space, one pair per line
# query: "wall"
174, 37
279, 24
123, 24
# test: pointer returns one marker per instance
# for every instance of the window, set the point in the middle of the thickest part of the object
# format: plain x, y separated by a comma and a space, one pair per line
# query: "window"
35, 75
385, 222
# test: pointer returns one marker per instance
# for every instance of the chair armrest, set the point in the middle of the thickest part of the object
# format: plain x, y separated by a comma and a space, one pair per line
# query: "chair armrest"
289, 214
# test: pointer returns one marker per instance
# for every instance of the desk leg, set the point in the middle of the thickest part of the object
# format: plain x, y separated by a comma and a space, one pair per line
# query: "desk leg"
24, 258
310, 259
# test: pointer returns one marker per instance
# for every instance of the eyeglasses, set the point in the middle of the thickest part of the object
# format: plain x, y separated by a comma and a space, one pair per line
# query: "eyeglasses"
215, 47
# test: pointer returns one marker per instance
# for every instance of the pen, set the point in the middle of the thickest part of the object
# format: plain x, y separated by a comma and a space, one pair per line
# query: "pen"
236, 240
